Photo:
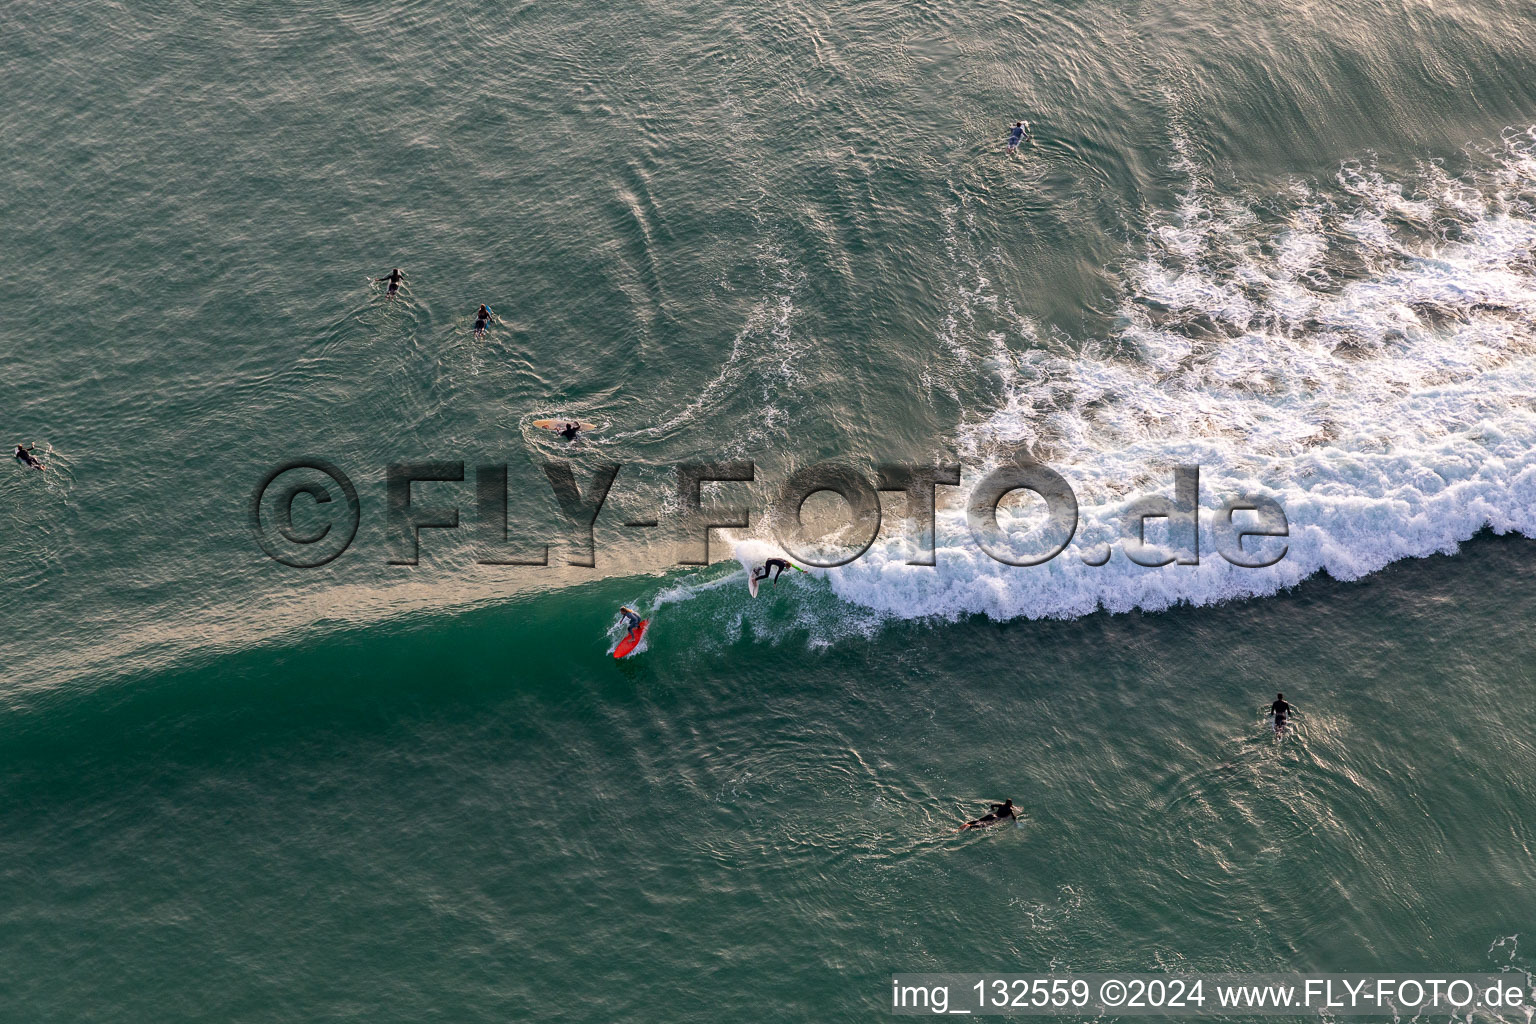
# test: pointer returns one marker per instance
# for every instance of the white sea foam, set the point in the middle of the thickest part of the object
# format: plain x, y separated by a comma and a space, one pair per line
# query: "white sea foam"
1369, 363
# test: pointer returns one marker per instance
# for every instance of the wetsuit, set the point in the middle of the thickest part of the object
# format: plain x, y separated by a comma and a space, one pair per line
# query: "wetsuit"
570, 430
631, 620
1281, 709
1016, 136
774, 565
481, 319
394, 277
26, 458
999, 812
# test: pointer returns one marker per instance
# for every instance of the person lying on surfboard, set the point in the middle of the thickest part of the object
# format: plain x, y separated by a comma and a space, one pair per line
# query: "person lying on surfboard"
631, 619
26, 458
774, 565
1016, 136
482, 318
1000, 812
394, 277
1280, 709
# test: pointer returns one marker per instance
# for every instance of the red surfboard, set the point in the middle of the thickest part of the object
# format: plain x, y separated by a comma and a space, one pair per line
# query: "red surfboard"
631, 640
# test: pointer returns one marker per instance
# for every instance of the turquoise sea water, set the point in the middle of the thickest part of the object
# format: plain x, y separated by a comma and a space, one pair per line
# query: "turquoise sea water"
1290, 245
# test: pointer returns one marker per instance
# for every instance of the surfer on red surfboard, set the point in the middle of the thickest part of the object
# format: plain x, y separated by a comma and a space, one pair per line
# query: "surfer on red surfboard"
631, 619
636, 626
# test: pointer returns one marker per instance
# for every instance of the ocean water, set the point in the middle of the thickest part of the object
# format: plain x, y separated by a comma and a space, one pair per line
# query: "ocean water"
1290, 245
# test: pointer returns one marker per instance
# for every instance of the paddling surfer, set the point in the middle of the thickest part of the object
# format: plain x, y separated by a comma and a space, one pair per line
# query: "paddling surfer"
1017, 135
394, 277
1280, 709
26, 458
1000, 812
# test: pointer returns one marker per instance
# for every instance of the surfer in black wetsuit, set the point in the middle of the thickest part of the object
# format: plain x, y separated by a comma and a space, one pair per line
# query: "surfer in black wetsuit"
631, 619
1280, 709
26, 458
570, 429
1000, 812
482, 318
776, 566
394, 277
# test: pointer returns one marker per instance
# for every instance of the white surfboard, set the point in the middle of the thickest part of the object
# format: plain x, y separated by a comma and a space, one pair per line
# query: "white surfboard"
752, 582
560, 424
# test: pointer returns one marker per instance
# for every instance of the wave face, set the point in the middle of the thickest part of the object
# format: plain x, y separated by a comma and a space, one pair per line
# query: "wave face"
1361, 352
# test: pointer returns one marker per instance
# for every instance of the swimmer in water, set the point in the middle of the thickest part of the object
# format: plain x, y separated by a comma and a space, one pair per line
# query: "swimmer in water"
773, 565
570, 429
631, 619
1000, 812
394, 277
482, 318
26, 458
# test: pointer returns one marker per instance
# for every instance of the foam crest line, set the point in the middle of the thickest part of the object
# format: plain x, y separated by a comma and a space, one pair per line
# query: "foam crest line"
1366, 358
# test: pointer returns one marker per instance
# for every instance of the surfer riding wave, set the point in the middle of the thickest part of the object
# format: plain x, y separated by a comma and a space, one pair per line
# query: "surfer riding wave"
776, 566
631, 620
